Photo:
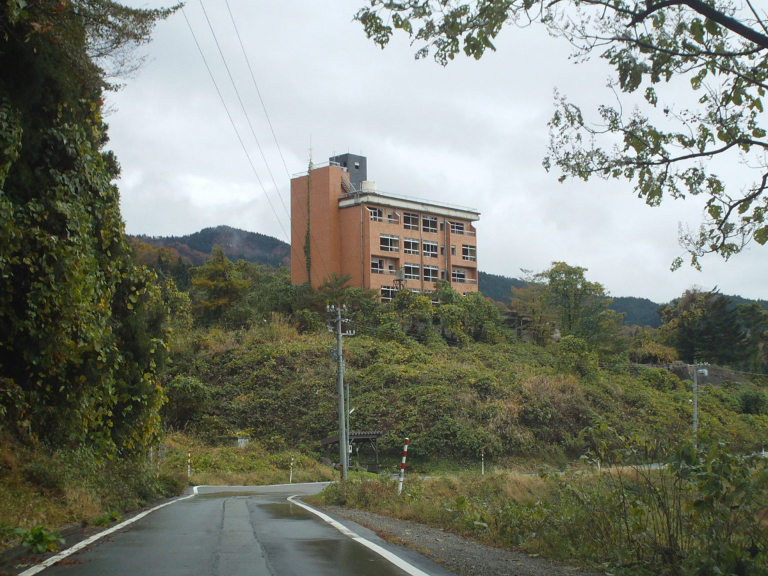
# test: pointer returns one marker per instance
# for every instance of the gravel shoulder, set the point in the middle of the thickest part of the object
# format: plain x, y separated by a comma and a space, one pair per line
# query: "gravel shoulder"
460, 555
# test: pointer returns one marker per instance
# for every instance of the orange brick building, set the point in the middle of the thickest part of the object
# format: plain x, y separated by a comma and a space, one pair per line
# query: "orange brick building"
382, 241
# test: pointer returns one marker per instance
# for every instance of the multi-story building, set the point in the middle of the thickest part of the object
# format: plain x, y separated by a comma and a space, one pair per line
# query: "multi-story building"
382, 241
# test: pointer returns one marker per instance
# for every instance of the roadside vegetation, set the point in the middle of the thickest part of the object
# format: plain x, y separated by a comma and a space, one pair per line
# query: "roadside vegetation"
250, 465
639, 507
42, 490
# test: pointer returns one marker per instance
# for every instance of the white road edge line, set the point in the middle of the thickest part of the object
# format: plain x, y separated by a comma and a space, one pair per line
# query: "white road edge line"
80, 545
394, 559
257, 485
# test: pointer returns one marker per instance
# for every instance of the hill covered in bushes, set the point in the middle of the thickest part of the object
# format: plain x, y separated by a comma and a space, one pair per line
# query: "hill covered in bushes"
516, 401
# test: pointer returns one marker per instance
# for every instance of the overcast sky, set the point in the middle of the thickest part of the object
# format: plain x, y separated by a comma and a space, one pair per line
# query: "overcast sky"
473, 133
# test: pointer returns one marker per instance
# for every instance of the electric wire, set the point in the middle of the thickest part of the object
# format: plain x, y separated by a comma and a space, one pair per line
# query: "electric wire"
274, 135
253, 133
234, 126
256, 86
240, 100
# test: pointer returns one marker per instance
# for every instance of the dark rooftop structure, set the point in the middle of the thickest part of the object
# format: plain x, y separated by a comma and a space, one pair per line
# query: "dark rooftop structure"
357, 166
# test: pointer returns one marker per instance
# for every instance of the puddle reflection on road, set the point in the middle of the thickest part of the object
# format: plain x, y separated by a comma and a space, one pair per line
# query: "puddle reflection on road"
286, 512
355, 558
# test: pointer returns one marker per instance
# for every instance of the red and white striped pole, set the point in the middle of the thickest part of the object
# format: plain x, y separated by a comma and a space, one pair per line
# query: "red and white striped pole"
402, 468
482, 462
189, 463
290, 477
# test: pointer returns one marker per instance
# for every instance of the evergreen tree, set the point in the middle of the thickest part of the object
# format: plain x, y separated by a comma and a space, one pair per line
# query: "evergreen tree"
704, 326
218, 286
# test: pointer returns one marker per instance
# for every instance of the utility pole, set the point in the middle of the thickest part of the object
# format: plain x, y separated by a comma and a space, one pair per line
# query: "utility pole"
335, 311
695, 400
697, 368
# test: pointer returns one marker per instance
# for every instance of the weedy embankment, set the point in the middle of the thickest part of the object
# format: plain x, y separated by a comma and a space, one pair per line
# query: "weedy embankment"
647, 509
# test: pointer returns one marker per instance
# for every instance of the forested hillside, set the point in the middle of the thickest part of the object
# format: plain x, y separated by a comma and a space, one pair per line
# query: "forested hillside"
237, 245
498, 287
195, 249
637, 311
455, 376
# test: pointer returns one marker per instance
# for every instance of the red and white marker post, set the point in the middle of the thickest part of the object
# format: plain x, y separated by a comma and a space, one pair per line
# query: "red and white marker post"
290, 477
189, 463
402, 468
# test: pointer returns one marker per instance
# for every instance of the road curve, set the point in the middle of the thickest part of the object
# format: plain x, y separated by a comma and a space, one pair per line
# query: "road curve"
243, 531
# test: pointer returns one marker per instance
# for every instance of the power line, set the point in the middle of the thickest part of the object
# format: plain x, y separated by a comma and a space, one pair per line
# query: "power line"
234, 126
274, 137
255, 85
242, 105
253, 132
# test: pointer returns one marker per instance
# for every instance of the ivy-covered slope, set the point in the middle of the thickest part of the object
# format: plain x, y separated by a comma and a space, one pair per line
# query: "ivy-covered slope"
513, 400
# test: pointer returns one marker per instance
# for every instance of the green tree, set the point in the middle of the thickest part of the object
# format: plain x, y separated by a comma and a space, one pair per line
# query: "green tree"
719, 48
704, 326
218, 286
754, 320
188, 399
270, 291
81, 325
534, 318
562, 298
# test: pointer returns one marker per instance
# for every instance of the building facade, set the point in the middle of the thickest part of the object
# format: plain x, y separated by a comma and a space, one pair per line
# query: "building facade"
384, 242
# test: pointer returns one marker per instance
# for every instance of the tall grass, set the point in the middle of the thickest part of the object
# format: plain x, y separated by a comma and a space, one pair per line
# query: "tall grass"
39, 487
698, 510
251, 465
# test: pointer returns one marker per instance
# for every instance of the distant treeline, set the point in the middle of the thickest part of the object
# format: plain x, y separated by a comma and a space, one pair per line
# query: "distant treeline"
195, 249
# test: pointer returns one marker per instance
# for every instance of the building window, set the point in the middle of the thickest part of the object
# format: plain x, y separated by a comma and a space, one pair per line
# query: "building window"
430, 249
411, 246
442, 226
469, 253
376, 214
459, 275
392, 218
430, 273
442, 250
457, 227
387, 293
389, 243
410, 221
429, 224
453, 250
377, 266
442, 274
411, 271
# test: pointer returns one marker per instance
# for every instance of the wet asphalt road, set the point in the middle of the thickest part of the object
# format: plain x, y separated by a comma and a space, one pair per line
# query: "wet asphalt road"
235, 531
